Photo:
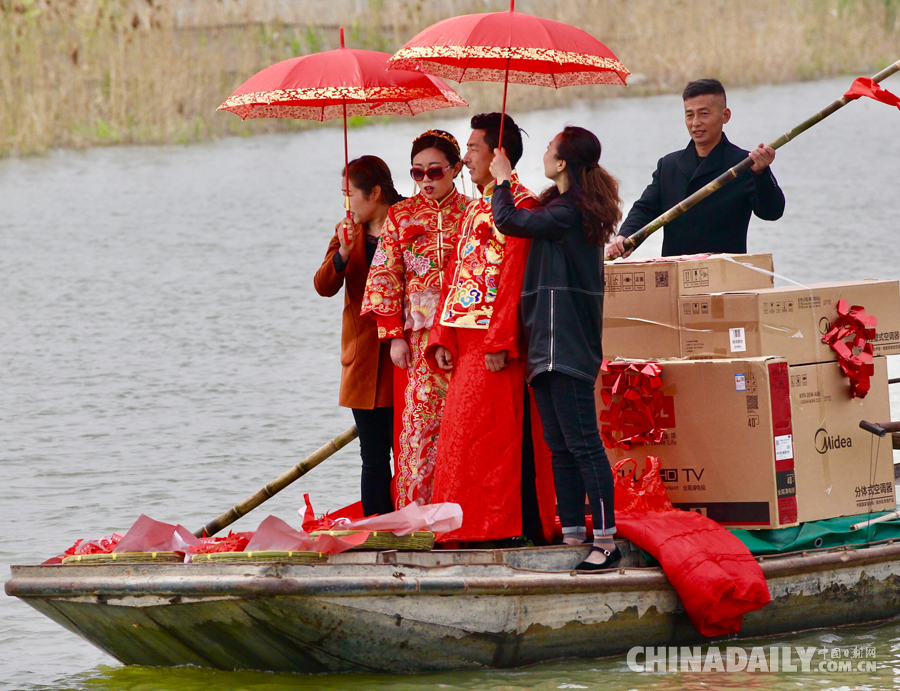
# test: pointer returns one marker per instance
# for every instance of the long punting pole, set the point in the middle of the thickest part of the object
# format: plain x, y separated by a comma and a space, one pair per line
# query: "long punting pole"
637, 238
278, 483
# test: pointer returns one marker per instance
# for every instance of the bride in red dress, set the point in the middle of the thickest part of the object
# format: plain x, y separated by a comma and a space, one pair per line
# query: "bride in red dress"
402, 293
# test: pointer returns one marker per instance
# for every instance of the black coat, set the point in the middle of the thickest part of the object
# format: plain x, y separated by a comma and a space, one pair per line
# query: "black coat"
719, 222
562, 290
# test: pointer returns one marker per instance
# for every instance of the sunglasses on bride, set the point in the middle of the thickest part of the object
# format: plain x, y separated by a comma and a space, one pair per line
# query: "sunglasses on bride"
435, 173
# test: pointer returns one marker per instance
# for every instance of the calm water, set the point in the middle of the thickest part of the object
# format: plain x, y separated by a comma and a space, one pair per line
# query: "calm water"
162, 349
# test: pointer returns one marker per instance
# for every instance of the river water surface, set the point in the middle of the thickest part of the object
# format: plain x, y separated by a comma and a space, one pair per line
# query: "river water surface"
162, 349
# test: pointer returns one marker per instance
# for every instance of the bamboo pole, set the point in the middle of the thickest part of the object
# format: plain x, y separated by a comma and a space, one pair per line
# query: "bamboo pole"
638, 237
893, 516
278, 483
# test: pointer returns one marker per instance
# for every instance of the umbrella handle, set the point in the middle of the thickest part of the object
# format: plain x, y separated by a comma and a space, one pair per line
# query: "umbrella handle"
349, 216
505, 87
346, 163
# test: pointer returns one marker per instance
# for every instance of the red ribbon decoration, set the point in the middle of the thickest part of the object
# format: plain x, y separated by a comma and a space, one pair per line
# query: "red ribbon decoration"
235, 542
640, 495
104, 545
853, 322
866, 86
352, 512
633, 400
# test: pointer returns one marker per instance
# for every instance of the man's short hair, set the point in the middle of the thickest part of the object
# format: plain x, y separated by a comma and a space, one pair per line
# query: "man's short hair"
512, 134
701, 87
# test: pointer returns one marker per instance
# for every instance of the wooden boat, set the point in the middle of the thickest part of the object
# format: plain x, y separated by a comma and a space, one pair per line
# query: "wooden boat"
391, 611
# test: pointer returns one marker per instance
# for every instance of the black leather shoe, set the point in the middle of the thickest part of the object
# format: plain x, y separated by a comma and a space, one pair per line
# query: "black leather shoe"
612, 560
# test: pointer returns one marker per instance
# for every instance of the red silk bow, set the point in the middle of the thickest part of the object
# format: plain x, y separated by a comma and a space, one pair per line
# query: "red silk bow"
853, 322
633, 401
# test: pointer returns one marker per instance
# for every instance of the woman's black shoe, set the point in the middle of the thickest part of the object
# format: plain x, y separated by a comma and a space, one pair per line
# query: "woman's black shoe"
612, 560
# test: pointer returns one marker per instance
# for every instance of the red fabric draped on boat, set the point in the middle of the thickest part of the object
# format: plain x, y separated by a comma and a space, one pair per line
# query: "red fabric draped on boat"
713, 572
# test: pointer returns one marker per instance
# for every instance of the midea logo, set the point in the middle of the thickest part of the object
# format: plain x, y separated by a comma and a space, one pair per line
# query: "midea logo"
825, 443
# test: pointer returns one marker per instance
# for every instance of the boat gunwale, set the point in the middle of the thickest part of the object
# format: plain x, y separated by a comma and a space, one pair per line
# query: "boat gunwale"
196, 580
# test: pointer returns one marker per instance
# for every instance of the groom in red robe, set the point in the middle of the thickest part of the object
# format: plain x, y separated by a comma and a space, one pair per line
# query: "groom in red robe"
492, 458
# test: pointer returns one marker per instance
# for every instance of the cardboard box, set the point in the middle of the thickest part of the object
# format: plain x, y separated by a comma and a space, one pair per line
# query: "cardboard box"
727, 451
640, 309
841, 470
785, 321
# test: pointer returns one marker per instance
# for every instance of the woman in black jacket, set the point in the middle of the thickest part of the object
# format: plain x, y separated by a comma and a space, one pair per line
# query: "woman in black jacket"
562, 310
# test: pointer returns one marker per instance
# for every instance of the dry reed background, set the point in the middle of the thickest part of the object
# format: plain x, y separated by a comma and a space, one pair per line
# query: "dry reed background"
78, 73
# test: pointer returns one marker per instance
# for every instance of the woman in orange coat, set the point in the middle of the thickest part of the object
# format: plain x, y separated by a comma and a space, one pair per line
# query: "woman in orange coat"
367, 375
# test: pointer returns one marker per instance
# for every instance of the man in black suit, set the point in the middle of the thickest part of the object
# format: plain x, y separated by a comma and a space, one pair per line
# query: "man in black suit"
719, 222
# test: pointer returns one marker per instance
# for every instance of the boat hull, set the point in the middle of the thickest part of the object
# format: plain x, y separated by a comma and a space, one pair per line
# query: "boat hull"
419, 617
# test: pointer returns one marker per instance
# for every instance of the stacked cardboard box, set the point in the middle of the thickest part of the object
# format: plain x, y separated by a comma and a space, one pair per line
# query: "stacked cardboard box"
725, 449
786, 321
640, 305
755, 443
841, 470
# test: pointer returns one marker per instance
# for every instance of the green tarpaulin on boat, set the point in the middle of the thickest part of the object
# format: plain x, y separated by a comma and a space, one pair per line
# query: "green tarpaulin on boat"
833, 532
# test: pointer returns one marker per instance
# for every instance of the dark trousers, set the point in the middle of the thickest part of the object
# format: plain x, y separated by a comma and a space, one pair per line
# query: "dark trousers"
531, 512
376, 437
569, 416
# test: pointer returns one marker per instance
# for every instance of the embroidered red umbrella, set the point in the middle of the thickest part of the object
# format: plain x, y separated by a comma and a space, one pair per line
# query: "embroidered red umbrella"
510, 47
338, 83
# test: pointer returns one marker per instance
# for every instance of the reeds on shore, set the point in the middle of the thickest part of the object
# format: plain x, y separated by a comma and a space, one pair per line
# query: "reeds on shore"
79, 73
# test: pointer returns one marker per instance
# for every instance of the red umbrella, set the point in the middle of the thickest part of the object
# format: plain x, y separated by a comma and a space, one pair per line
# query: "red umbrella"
338, 83
510, 47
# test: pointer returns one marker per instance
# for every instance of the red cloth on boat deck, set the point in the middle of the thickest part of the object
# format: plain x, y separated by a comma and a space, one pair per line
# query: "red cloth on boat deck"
103, 545
148, 535
275, 534
234, 542
713, 572
352, 512
437, 518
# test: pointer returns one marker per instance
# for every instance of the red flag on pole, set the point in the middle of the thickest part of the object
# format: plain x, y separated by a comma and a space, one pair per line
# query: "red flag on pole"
864, 86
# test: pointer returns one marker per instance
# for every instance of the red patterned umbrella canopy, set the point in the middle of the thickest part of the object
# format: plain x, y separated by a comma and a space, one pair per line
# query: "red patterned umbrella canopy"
510, 47
339, 83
